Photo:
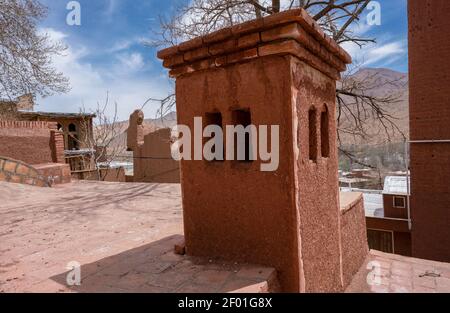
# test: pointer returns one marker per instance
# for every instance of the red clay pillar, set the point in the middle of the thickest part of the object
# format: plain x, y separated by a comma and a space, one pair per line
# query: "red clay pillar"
280, 70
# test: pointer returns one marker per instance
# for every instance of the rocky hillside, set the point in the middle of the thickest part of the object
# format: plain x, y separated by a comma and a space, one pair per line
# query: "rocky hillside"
381, 83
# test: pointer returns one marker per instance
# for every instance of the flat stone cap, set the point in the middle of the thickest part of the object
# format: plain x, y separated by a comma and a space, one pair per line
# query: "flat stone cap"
291, 32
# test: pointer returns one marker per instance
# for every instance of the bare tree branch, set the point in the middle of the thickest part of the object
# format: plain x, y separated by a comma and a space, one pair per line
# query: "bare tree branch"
102, 137
360, 112
25, 54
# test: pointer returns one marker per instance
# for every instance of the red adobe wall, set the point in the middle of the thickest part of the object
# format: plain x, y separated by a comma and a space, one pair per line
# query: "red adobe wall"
402, 243
153, 162
152, 157
400, 229
31, 142
316, 181
57, 146
390, 210
429, 80
55, 173
233, 210
354, 235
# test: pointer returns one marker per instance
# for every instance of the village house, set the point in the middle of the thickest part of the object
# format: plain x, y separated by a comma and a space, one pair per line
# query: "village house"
387, 216
76, 128
32, 153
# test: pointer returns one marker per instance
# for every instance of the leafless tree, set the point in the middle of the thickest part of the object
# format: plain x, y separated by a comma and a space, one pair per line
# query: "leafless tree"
166, 105
25, 53
101, 139
361, 113
200, 17
356, 105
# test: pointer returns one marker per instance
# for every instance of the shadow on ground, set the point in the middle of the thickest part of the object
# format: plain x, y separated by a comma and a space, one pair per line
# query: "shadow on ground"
156, 268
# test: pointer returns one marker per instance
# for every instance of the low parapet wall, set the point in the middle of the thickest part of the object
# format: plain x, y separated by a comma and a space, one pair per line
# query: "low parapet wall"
14, 171
354, 245
40, 175
55, 173
31, 142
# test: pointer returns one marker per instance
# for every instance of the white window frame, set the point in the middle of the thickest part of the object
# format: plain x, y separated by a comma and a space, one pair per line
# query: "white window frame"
399, 207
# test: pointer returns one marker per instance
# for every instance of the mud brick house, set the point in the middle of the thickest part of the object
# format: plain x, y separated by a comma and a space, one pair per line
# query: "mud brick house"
429, 80
388, 217
32, 153
279, 70
395, 197
76, 128
152, 158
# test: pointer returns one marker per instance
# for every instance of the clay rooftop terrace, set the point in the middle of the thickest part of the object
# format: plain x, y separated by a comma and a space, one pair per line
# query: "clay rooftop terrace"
123, 236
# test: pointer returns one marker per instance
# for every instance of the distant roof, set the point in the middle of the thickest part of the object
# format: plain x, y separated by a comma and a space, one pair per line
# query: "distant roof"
58, 115
79, 152
373, 201
395, 185
373, 205
116, 164
6, 101
356, 180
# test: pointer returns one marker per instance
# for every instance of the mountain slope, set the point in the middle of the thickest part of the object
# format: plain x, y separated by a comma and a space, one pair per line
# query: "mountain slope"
382, 83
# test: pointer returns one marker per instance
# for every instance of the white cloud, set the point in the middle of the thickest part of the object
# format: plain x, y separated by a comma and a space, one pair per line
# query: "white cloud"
121, 45
375, 54
111, 8
126, 44
385, 52
53, 34
90, 83
131, 62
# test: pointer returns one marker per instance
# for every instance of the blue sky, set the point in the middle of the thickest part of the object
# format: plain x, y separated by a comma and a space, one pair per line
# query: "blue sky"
106, 53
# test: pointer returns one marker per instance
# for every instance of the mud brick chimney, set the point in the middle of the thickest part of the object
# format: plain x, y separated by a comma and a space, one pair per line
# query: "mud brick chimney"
278, 70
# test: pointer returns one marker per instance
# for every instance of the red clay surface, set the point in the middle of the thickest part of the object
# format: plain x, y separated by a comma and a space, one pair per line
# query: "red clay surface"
123, 235
399, 274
